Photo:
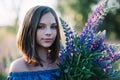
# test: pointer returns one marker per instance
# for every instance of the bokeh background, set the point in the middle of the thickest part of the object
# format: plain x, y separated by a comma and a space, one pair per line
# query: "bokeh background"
75, 12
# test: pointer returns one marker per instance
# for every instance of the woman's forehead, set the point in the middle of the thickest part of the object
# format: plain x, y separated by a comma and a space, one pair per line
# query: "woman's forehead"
48, 18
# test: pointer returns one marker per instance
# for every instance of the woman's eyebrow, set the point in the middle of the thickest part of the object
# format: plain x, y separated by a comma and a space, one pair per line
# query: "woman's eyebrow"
42, 24
54, 24
45, 24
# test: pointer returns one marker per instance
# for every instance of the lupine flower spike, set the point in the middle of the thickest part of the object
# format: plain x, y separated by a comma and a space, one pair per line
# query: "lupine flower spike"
70, 47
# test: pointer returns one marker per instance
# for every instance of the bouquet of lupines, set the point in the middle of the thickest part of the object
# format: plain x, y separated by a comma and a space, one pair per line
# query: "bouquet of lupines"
86, 56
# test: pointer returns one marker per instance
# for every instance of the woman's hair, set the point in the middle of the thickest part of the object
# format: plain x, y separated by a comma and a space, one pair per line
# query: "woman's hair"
26, 38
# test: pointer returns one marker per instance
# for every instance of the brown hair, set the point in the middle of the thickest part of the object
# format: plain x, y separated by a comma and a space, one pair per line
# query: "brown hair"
26, 38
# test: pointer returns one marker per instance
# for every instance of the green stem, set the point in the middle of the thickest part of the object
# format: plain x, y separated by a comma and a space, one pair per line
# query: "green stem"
77, 62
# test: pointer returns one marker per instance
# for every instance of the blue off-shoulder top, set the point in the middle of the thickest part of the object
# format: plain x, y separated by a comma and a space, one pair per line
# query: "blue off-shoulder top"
34, 75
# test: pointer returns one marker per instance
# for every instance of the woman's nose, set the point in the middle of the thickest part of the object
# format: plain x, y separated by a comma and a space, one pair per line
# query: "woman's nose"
48, 31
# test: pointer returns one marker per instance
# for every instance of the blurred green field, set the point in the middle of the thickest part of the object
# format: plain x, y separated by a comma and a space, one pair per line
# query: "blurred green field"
8, 49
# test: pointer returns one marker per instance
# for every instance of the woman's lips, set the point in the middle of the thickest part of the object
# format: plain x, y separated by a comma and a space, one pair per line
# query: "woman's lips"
47, 39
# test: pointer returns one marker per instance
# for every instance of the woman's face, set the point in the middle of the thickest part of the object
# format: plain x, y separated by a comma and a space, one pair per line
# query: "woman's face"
47, 31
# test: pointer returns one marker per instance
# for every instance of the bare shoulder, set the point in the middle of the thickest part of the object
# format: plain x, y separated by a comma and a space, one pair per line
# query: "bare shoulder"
18, 65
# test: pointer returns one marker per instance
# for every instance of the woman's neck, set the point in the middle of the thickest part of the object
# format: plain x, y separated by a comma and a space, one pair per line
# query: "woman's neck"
43, 53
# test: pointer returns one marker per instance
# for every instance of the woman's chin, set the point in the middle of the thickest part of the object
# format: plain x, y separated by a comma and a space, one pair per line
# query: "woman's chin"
46, 45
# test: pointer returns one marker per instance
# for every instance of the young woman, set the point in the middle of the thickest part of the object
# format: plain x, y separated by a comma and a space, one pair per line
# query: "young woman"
38, 41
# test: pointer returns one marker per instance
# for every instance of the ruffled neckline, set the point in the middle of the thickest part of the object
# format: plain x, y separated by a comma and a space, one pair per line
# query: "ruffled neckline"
24, 73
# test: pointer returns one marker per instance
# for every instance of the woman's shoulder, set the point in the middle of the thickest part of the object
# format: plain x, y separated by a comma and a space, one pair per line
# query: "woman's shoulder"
17, 65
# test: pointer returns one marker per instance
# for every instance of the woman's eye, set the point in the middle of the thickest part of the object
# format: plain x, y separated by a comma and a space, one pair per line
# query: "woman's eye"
54, 27
40, 27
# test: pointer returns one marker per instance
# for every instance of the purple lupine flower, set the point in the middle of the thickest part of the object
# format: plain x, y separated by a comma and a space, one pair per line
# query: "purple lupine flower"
98, 41
92, 24
70, 47
109, 51
116, 57
110, 56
